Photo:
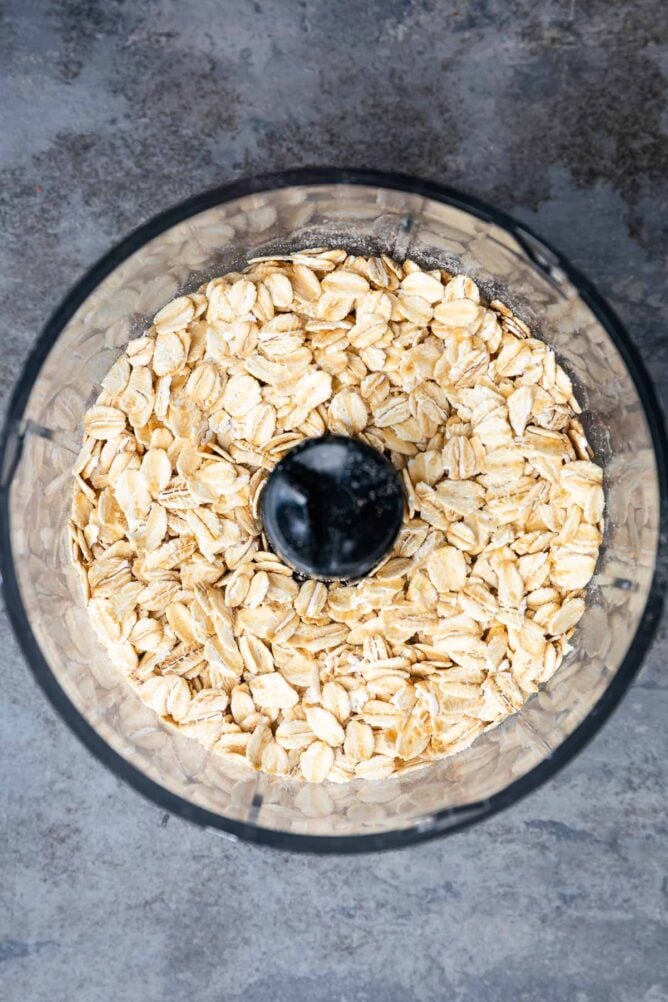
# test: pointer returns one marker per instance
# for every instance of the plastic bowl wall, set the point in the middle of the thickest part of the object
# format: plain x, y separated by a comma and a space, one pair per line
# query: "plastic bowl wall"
370, 214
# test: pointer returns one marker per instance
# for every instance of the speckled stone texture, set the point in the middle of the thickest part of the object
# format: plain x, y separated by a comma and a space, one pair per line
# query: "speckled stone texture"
554, 111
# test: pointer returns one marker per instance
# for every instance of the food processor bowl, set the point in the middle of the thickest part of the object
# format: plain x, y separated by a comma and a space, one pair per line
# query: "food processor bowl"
367, 213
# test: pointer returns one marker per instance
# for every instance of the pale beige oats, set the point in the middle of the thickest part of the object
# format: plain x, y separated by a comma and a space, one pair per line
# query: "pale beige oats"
465, 619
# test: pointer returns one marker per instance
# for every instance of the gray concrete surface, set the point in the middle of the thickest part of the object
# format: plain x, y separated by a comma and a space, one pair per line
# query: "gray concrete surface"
554, 111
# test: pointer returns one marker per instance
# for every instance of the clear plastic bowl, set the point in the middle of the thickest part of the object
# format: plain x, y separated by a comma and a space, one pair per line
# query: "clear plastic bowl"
370, 214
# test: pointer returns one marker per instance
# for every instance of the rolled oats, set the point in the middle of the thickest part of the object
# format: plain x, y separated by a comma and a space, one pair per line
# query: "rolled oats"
467, 616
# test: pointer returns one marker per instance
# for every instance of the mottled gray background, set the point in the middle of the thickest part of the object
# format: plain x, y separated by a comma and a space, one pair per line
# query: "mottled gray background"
553, 110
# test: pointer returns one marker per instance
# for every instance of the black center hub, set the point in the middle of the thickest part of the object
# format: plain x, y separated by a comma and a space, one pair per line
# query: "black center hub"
332, 508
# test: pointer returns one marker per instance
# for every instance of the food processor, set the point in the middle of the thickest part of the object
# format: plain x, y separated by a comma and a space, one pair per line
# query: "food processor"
371, 214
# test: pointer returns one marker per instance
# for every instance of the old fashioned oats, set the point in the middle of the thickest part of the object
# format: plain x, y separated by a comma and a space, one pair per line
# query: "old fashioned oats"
465, 619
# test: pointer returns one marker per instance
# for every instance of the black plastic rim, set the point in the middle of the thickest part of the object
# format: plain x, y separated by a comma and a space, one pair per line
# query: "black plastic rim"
457, 818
